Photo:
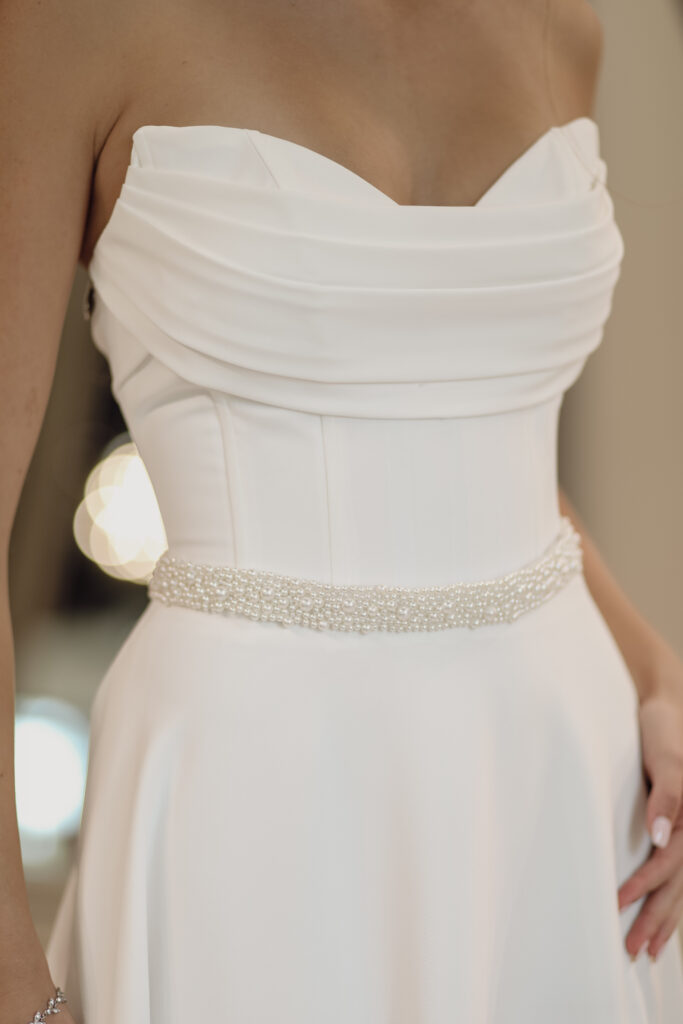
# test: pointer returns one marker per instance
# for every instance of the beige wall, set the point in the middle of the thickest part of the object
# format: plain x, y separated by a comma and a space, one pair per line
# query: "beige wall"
621, 428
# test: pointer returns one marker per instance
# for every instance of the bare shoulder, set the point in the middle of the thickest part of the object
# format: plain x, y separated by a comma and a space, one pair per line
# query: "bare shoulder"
60, 63
578, 31
584, 29
577, 38
68, 70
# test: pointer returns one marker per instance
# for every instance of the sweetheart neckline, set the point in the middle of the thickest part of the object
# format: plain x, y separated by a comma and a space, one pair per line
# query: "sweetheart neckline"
290, 143
354, 174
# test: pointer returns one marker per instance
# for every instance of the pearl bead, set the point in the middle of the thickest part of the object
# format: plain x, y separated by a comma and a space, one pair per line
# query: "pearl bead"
267, 596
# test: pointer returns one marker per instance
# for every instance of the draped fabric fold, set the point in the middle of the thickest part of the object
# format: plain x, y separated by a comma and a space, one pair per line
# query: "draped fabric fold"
277, 285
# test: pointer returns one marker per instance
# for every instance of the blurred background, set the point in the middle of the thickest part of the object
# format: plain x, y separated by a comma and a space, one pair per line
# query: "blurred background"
87, 531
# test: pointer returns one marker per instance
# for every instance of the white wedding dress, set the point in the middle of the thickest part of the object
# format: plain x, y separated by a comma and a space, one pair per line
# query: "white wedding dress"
291, 826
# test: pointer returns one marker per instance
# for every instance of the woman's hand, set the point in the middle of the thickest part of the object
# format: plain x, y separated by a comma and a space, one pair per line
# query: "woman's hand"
661, 875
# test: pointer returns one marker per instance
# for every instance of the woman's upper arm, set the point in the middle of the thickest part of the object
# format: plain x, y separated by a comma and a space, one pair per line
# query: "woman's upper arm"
52, 108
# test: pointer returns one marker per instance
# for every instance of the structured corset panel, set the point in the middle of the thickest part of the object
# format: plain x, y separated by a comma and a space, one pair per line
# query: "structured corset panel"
328, 384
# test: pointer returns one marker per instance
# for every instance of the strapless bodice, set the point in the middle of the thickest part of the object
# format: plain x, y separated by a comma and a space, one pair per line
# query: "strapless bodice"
326, 383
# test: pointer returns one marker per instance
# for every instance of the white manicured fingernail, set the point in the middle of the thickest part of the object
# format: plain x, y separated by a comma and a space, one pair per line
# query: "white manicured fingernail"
661, 831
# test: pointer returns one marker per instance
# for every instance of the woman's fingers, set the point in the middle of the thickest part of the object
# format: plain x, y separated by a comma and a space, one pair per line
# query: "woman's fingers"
664, 801
658, 917
661, 937
660, 878
660, 866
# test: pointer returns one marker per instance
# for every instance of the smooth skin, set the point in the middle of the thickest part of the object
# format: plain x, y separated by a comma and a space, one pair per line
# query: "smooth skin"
429, 100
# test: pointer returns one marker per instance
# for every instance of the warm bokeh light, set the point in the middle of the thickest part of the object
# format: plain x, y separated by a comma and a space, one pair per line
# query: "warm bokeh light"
118, 524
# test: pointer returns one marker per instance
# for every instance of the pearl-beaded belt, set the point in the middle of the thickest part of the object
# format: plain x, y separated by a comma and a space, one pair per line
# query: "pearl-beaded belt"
291, 600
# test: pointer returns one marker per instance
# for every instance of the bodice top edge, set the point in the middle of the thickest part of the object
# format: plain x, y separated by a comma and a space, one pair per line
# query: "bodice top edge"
254, 266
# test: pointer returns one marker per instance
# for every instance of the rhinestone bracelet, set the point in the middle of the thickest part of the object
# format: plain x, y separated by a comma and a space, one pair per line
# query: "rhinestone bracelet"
290, 600
51, 1007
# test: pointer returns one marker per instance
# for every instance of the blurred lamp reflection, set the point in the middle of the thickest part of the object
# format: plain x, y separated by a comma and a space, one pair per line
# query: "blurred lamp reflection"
51, 740
118, 524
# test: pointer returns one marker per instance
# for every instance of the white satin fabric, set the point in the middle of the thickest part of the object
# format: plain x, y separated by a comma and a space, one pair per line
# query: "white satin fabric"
302, 827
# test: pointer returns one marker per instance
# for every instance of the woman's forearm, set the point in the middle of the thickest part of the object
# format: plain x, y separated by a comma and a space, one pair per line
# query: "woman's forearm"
643, 648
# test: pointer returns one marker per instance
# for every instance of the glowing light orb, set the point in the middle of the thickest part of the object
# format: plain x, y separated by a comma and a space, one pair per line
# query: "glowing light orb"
50, 765
117, 523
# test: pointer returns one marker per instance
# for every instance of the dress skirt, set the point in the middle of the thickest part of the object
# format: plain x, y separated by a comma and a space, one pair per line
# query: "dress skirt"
301, 826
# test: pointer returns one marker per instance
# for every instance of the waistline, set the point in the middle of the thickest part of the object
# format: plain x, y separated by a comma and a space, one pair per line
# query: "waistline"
289, 600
